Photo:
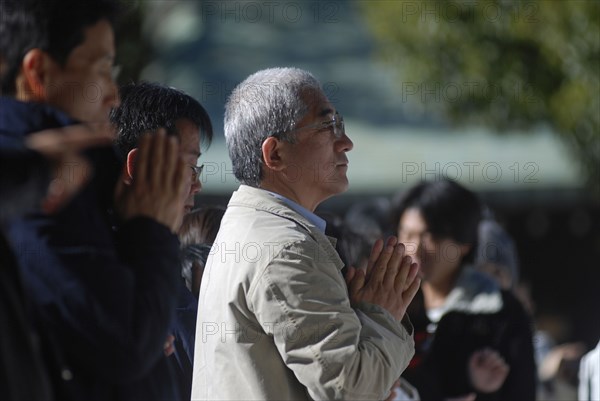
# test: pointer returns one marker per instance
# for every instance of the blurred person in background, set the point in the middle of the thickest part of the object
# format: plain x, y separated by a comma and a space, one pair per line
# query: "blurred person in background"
370, 218
353, 247
147, 107
496, 253
197, 233
104, 298
556, 364
472, 339
27, 170
589, 376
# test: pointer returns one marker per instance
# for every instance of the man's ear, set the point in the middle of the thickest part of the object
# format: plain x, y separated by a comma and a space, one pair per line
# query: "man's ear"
32, 77
130, 164
271, 154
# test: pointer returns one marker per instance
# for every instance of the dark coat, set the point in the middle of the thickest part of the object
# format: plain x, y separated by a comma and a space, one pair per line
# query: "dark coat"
105, 296
439, 369
23, 373
24, 179
184, 331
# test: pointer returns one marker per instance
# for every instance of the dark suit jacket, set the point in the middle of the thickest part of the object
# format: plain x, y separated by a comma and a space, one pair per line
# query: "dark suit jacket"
106, 296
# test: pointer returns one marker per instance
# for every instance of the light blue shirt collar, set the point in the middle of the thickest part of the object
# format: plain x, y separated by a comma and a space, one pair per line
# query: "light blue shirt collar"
304, 212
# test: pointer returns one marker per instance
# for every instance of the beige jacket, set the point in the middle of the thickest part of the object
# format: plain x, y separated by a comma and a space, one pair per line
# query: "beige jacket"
274, 318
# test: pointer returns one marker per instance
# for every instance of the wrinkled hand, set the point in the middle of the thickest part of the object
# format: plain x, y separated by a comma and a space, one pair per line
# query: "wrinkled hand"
390, 280
487, 370
158, 188
62, 147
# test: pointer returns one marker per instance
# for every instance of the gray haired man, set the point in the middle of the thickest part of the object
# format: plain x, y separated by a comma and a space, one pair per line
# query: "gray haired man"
276, 319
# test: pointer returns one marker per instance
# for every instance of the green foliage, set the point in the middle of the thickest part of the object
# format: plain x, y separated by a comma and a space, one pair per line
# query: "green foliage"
505, 64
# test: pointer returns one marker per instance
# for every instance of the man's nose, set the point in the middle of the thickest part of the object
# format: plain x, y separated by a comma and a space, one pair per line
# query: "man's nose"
345, 144
196, 186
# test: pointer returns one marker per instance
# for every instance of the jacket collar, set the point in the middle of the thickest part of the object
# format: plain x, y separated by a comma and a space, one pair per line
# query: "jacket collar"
307, 214
18, 119
260, 199
474, 293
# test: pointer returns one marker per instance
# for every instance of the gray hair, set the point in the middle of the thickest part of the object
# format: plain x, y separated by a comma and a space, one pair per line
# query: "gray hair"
267, 102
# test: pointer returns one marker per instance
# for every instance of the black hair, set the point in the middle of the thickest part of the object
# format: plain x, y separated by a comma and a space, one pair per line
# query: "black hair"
371, 218
352, 247
190, 255
450, 211
54, 26
201, 226
147, 106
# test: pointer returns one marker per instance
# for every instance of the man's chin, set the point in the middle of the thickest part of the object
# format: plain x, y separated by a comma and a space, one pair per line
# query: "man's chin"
344, 184
338, 187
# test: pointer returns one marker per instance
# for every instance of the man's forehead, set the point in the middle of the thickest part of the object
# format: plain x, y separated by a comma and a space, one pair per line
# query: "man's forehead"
189, 136
317, 102
98, 43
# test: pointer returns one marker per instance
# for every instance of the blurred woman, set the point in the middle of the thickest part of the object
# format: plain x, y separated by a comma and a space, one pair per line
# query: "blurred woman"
473, 340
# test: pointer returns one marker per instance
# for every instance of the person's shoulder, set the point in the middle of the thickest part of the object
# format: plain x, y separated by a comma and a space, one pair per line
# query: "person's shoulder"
19, 119
256, 223
256, 219
513, 306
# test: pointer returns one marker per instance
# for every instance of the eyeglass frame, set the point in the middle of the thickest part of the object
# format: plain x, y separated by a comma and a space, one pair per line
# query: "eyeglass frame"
339, 129
196, 171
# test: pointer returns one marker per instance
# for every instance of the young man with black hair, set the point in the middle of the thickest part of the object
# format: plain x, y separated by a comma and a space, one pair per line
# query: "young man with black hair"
146, 107
104, 299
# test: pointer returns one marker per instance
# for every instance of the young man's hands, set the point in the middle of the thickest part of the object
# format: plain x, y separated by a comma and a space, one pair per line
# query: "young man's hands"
158, 188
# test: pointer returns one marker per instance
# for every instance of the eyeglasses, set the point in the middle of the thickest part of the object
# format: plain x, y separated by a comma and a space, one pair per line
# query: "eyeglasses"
196, 171
336, 123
